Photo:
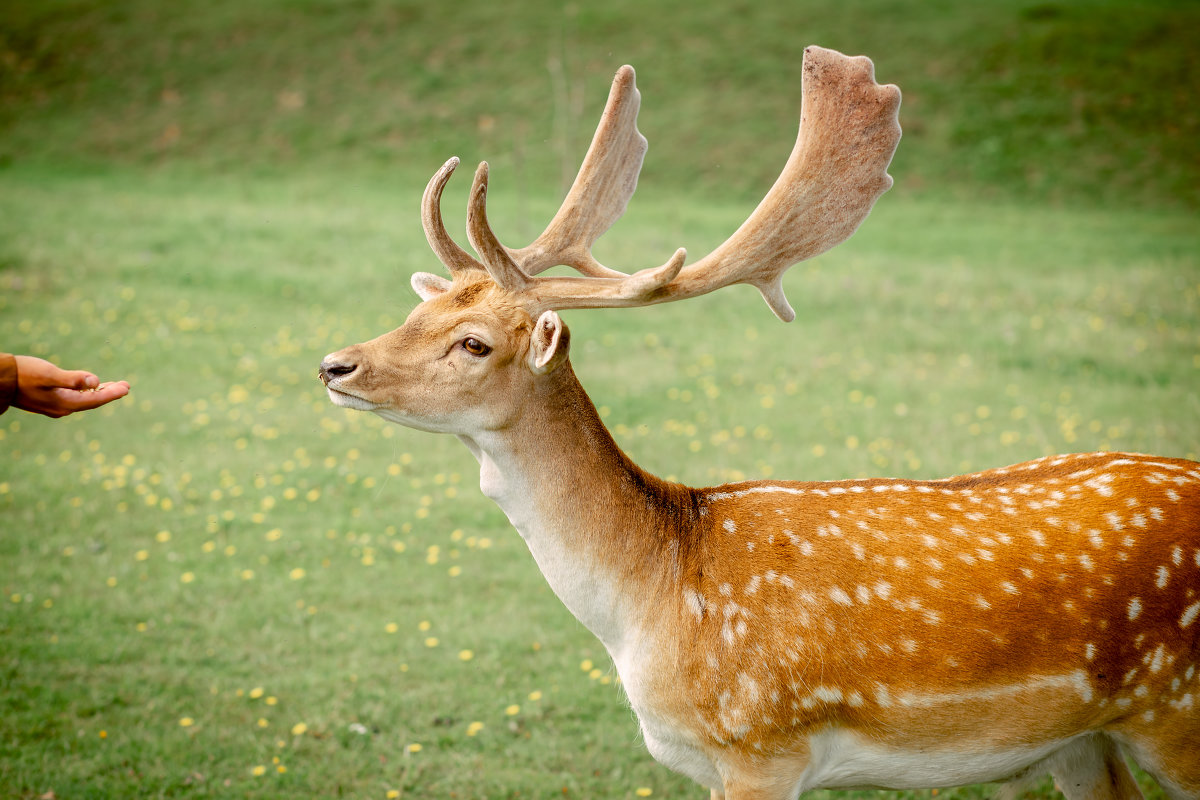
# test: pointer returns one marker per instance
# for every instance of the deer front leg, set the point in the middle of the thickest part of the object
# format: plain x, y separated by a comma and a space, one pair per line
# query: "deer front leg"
1092, 768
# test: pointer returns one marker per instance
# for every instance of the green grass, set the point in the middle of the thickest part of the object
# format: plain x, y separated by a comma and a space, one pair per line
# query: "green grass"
207, 201
217, 298
1061, 101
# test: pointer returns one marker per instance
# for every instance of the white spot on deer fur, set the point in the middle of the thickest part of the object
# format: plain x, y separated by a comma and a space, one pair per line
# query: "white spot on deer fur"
1197, 558
752, 586
840, 597
1182, 704
1114, 521
725, 589
1177, 555
1138, 520
1100, 484
1173, 495
695, 602
1009, 587
1037, 537
727, 633
1129, 676
1077, 681
806, 548
1156, 514
730, 526
1157, 659
749, 687
1086, 562
1095, 538
755, 490
982, 602
1141, 690
824, 694
1189, 616
1089, 651
1135, 608
1163, 575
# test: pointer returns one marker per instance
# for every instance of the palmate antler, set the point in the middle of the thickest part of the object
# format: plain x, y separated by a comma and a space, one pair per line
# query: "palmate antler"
838, 168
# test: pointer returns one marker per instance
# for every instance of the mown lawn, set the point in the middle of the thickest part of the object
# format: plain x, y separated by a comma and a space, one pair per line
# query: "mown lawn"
223, 586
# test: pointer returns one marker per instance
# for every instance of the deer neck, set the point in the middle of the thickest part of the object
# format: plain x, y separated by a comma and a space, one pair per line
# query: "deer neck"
606, 534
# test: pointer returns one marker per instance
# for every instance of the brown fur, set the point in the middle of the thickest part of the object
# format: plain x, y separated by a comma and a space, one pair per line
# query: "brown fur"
996, 610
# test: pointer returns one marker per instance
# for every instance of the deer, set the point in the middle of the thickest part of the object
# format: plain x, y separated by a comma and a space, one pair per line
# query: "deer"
775, 637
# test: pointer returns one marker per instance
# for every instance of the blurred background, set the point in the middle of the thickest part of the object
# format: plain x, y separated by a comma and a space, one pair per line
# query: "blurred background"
1047, 101
223, 586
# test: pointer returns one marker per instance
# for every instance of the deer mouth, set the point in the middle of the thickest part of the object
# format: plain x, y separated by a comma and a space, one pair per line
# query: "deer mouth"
347, 400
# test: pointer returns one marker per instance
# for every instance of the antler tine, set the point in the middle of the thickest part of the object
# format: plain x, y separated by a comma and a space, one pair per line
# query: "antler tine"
445, 248
496, 257
838, 168
601, 191
504, 269
597, 199
849, 130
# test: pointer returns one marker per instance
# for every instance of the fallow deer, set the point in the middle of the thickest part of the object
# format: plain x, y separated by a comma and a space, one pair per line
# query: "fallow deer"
772, 636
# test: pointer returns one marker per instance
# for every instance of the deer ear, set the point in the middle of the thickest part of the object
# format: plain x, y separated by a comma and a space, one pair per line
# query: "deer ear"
549, 343
429, 286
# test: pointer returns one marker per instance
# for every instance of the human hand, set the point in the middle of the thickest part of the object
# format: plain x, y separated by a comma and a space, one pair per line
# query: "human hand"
45, 389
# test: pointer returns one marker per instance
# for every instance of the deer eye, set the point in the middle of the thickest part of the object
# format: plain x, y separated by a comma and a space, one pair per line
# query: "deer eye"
475, 347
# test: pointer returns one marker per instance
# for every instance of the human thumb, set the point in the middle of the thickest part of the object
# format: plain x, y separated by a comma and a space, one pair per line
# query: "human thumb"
75, 379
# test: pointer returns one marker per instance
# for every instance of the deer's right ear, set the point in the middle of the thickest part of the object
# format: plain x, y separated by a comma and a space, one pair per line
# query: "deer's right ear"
548, 344
429, 286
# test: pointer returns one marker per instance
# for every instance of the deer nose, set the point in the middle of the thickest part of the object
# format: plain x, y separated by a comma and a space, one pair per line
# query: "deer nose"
331, 369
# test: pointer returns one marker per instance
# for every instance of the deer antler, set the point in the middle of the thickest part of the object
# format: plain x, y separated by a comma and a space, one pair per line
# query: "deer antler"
837, 170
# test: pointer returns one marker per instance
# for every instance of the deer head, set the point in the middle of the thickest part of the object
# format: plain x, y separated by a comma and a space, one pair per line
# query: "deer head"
479, 343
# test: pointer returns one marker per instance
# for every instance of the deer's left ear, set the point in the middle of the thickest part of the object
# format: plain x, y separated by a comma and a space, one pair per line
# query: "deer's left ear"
428, 285
548, 344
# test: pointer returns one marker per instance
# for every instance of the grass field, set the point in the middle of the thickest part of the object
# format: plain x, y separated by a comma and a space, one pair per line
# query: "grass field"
223, 586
